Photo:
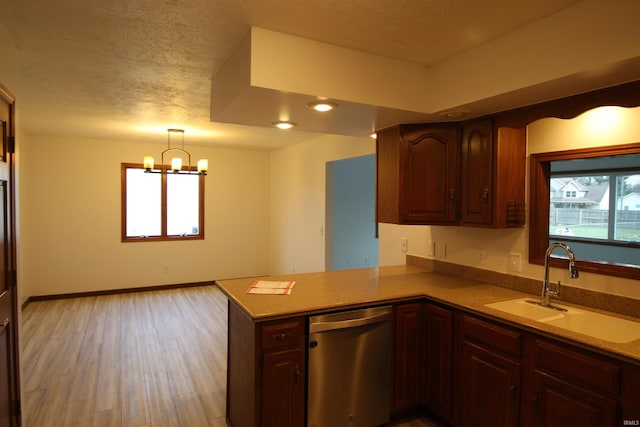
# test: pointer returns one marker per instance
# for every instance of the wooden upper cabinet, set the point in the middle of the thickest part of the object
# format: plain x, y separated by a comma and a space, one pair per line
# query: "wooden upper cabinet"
417, 169
476, 156
431, 173
492, 163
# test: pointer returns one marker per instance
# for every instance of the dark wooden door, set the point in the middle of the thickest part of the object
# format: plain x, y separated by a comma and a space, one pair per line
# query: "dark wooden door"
408, 358
430, 182
9, 377
490, 388
558, 403
283, 389
476, 159
438, 358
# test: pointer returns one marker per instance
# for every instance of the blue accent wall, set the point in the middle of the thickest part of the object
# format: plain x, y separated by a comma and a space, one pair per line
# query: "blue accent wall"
351, 226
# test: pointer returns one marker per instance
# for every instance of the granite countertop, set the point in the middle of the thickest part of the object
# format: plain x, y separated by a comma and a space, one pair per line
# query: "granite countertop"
315, 293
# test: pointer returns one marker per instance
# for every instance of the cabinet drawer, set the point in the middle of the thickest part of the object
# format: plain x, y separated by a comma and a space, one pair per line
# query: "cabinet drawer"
591, 371
491, 335
282, 333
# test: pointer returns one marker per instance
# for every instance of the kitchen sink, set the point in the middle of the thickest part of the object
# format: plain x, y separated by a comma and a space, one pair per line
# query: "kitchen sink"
597, 325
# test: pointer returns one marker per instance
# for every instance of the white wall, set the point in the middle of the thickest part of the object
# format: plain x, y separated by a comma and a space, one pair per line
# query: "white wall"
9, 71
70, 233
601, 127
298, 200
265, 214
71, 213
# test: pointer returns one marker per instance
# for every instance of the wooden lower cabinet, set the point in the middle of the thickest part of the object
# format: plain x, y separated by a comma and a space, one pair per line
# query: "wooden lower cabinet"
468, 370
568, 386
438, 361
510, 377
558, 403
408, 358
422, 360
489, 375
283, 388
490, 396
266, 371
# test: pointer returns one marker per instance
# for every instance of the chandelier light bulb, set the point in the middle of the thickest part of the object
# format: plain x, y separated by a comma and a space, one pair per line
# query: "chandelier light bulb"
203, 165
176, 164
148, 162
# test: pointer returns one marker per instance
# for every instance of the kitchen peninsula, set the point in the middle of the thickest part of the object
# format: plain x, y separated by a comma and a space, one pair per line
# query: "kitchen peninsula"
445, 338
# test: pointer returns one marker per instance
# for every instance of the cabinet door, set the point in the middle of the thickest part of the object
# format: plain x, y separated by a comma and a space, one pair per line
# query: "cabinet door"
438, 356
559, 404
429, 160
476, 159
492, 162
283, 388
489, 388
409, 336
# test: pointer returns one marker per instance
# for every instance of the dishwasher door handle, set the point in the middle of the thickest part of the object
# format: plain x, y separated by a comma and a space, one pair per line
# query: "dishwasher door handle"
351, 323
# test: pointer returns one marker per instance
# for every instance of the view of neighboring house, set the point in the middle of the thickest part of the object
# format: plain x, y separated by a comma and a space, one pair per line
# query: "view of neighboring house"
574, 204
569, 193
631, 202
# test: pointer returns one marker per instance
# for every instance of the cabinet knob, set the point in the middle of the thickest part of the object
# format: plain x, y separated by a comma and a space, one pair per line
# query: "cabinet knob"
513, 390
485, 196
283, 336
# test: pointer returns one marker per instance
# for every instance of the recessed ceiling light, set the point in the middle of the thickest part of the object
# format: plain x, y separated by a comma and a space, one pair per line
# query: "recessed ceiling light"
322, 106
284, 125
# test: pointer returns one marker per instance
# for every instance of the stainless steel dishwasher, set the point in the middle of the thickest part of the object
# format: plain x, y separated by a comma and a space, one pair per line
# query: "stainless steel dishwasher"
349, 368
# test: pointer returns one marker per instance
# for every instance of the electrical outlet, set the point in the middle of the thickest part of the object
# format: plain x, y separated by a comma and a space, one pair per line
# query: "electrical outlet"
514, 262
442, 250
404, 243
482, 256
431, 248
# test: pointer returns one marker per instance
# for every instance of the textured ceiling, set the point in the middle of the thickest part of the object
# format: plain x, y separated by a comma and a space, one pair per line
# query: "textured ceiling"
131, 68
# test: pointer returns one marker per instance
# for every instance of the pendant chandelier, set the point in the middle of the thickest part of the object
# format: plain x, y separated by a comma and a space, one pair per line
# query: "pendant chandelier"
177, 156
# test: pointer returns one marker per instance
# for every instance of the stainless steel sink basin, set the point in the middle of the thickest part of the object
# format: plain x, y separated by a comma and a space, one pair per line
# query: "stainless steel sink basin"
597, 325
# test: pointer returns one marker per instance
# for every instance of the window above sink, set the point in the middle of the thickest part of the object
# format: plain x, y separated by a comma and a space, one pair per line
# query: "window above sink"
595, 205
587, 197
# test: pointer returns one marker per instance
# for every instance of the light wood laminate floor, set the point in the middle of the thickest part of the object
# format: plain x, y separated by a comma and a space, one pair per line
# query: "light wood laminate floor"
154, 358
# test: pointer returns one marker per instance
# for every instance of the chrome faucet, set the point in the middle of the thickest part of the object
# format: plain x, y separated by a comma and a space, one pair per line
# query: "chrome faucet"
573, 272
